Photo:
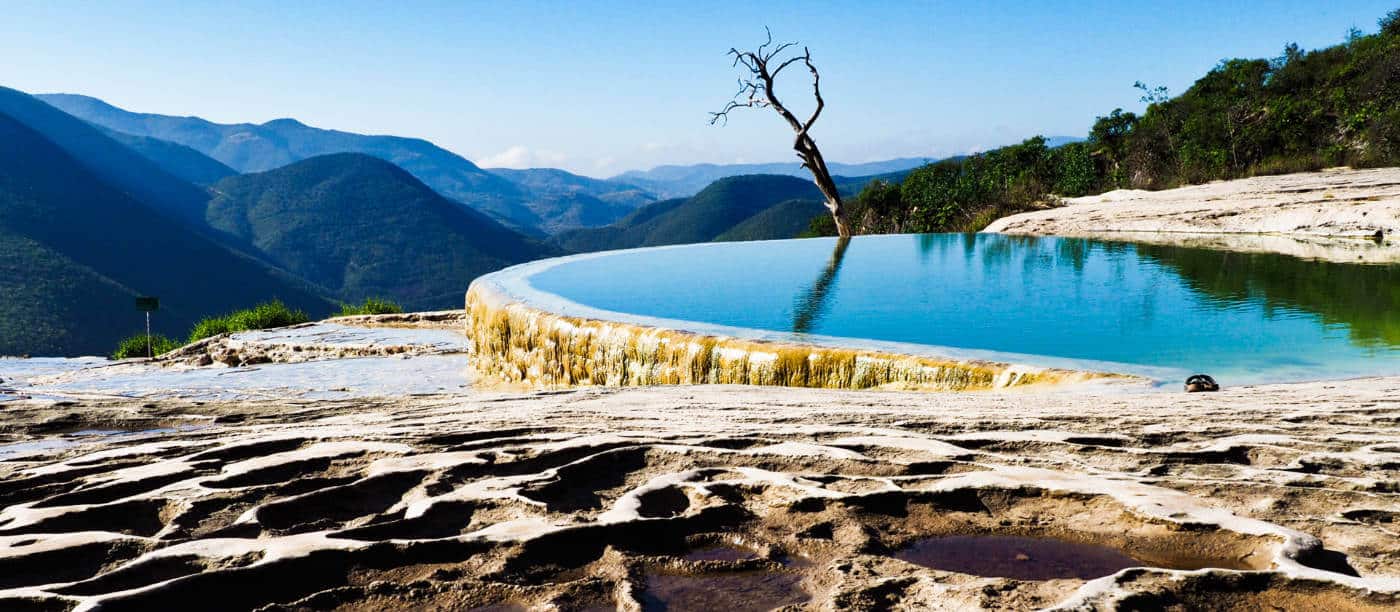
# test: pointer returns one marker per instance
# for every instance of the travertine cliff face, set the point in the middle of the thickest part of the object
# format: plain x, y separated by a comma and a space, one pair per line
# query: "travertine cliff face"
515, 342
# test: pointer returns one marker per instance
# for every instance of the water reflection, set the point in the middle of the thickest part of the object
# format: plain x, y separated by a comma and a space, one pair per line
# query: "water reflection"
812, 301
1363, 298
1248, 317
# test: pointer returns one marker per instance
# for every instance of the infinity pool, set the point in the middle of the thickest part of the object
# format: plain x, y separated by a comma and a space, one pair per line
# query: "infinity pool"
1161, 311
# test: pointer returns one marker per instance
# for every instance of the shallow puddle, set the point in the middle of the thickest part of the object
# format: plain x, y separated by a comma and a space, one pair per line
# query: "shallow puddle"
11, 450
720, 552
1017, 557
728, 592
20, 449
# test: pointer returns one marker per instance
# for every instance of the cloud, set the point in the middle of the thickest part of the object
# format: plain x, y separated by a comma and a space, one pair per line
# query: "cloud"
520, 156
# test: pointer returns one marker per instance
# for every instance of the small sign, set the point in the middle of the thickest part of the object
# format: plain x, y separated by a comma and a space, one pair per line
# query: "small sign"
147, 304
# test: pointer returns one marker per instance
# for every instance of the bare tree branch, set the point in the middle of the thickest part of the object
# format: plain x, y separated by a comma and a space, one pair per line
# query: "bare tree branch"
757, 90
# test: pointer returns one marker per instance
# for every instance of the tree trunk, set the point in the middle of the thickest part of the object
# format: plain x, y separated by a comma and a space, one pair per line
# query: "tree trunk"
757, 92
812, 159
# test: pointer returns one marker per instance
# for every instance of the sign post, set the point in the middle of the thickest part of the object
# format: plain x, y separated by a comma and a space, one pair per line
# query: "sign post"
148, 304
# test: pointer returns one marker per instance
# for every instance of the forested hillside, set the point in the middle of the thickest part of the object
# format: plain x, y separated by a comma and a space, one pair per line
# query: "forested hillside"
361, 227
538, 204
75, 250
1303, 110
111, 161
179, 160
715, 210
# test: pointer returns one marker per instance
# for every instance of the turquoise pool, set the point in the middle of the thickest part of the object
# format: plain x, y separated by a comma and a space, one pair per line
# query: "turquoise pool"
1161, 311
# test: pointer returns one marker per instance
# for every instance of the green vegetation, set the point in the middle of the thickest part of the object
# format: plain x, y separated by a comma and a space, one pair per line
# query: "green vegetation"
135, 346
1363, 298
360, 226
263, 316
371, 306
540, 200
266, 315
704, 217
179, 160
785, 219
48, 305
85, 227
1304, 110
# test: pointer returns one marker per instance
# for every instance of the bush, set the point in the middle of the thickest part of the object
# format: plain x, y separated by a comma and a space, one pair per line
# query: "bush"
371, 306
135, 346
1390, 23
1301, 111
263, 316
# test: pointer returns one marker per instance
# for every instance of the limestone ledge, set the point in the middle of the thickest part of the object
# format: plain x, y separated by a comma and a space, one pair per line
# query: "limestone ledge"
517, 343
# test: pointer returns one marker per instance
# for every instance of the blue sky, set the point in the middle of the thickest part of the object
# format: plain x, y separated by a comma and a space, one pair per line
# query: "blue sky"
601, 87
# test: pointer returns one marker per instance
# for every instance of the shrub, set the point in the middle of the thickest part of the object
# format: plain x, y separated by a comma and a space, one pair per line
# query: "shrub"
1390, 23
1078, 173
135, 346
263, 316
371, 306
1301, 111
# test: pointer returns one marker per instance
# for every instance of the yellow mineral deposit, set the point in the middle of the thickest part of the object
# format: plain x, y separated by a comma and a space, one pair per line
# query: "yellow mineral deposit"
515, 342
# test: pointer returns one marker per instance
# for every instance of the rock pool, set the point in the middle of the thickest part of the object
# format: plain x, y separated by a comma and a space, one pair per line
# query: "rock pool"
1159, 311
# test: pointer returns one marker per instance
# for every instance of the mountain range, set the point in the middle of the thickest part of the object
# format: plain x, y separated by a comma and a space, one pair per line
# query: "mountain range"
537, 201
249, 147
358, 227
721, 207
87, 224
674, 181
103, 205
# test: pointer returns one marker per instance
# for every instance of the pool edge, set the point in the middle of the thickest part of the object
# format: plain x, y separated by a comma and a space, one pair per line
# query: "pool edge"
517, 342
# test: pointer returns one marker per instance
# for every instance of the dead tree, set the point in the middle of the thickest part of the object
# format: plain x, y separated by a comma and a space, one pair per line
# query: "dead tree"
756, 91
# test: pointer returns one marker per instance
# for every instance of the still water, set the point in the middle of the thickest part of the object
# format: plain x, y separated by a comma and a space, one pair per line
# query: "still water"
1164, 311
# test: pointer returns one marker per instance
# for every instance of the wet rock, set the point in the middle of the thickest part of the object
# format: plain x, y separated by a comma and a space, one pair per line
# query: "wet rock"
1201, 383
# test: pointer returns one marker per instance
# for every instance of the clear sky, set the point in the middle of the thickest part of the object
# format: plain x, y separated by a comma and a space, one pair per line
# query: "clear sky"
602, 87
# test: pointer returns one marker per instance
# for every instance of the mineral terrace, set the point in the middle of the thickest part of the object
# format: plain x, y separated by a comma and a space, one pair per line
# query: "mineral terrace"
266, 486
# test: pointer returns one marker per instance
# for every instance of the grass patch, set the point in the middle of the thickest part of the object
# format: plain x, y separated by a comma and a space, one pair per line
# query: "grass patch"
135, 346
263, 316
371, 306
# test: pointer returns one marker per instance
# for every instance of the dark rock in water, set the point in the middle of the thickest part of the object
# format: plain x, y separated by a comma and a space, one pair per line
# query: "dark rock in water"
1200, 382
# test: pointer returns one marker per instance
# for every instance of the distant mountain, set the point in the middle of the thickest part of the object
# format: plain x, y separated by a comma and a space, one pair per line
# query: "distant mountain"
553, 181
360, 227
179, 160
715, 210
782, 220
77, 243
682, 181
248, 147
532, 201
111, 161
562, 200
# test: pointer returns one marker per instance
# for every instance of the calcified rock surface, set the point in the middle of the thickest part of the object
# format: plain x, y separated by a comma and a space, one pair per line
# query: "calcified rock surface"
412, 334
1322, 215
325, 360
745, 497
519, 343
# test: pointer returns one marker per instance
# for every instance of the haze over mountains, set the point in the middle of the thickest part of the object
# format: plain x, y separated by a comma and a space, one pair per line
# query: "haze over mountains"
102, 205
682, 181
674, 181
248, 147
537, 200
